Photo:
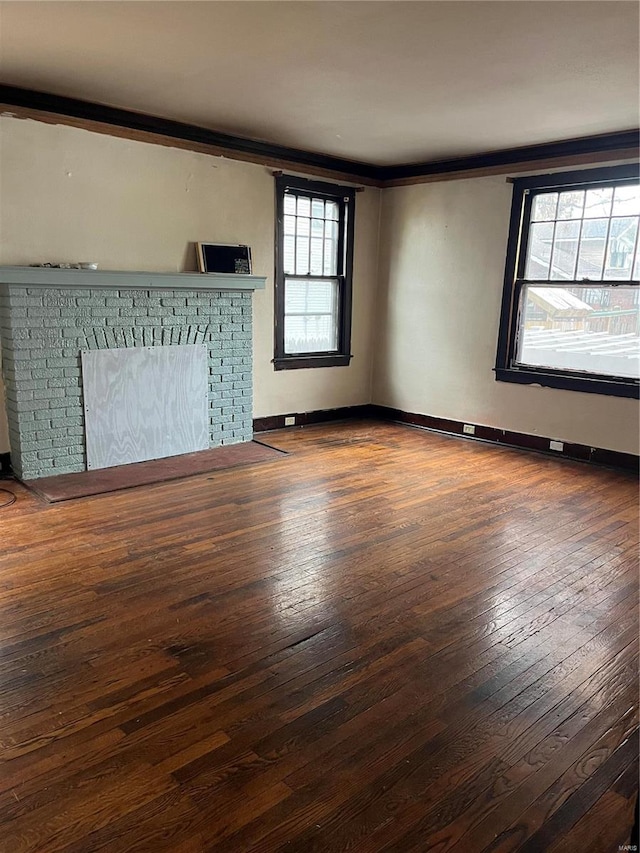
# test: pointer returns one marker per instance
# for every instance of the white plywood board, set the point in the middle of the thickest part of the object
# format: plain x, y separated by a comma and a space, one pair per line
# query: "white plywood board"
144, 403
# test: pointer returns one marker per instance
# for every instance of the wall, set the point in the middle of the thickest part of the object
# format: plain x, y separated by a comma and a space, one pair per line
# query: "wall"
442, 253
69, 195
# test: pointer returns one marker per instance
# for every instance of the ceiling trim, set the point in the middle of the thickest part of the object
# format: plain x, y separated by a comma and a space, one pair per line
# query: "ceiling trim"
119, 122
607, 144
47, 107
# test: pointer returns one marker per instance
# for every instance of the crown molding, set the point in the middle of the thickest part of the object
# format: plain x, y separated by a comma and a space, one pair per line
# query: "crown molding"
47, 107
610, 146
43, 106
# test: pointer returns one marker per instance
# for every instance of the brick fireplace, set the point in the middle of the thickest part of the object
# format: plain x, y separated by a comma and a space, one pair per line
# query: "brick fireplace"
48, 317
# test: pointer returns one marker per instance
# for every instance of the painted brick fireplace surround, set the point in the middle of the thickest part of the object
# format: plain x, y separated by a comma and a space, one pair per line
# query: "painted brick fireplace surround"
49, 316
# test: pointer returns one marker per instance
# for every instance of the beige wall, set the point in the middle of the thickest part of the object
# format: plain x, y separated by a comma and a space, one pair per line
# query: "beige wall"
441, 268
69, 195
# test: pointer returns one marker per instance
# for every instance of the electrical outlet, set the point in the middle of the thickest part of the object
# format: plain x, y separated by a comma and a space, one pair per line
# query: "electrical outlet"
556, 445
290, 421
469, 429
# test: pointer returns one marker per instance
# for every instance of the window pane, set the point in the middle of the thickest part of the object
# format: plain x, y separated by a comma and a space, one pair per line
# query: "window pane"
539, 252
622, 241
331, 248
317, 208
290, 204
570, 205
289, 225
289, 254
565, 249
331, 210
302, 255
311, 316
544, 207
592, 246
591, 330
626, 201
302, 226
304, 206
329, 258
598, 203
316, 265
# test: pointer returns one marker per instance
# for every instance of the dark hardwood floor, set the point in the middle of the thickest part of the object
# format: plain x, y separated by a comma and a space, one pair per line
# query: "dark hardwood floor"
388, 640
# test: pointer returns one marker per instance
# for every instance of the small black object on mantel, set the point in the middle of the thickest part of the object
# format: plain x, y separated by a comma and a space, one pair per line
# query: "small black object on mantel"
230, 258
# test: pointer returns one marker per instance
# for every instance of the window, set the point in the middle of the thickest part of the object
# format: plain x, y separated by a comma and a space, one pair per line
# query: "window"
314, 259
570, 309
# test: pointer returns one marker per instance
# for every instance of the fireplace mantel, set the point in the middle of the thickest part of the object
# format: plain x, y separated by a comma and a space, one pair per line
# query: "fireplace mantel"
122, 279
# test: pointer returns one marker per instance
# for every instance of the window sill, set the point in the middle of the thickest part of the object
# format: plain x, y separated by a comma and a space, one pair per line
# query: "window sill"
610, 387
295, 362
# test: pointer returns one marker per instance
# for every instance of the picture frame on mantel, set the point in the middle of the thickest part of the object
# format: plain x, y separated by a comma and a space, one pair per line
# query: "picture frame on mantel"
230, 258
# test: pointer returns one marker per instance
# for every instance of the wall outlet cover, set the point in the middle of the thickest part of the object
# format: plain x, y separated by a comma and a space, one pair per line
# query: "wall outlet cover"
290, 420
556, 445
469, 429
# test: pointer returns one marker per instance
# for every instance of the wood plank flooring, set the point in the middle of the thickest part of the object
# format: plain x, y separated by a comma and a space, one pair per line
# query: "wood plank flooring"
389, 640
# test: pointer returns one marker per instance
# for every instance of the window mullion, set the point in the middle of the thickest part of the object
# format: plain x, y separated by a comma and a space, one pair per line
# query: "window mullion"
575, 268
341, 235
634, 256
553, 248
606, 245
524, 243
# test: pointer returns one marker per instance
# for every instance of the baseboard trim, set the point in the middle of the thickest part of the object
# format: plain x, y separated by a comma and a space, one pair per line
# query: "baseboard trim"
523, 441
321, 416
520, 440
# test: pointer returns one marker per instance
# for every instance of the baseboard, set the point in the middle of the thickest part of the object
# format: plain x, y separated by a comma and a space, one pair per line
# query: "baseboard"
509, 438
524, 441
322, 416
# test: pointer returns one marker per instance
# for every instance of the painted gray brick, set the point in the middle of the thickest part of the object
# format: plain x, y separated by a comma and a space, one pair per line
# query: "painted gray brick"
47, 373
39, 311
34, 446
134, 311
65, 421
94, 320
52, 452
61, 362
63, 382
92, 302
50, 301
20, 396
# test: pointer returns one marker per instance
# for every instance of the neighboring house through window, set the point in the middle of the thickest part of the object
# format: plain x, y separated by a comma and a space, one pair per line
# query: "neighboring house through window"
570, 315
314, 260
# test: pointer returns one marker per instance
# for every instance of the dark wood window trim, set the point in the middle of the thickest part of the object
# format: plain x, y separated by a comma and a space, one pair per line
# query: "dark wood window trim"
345, 198
506, 369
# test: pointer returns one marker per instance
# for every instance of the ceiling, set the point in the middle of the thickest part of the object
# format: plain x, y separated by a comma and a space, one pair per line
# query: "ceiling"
378, 82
